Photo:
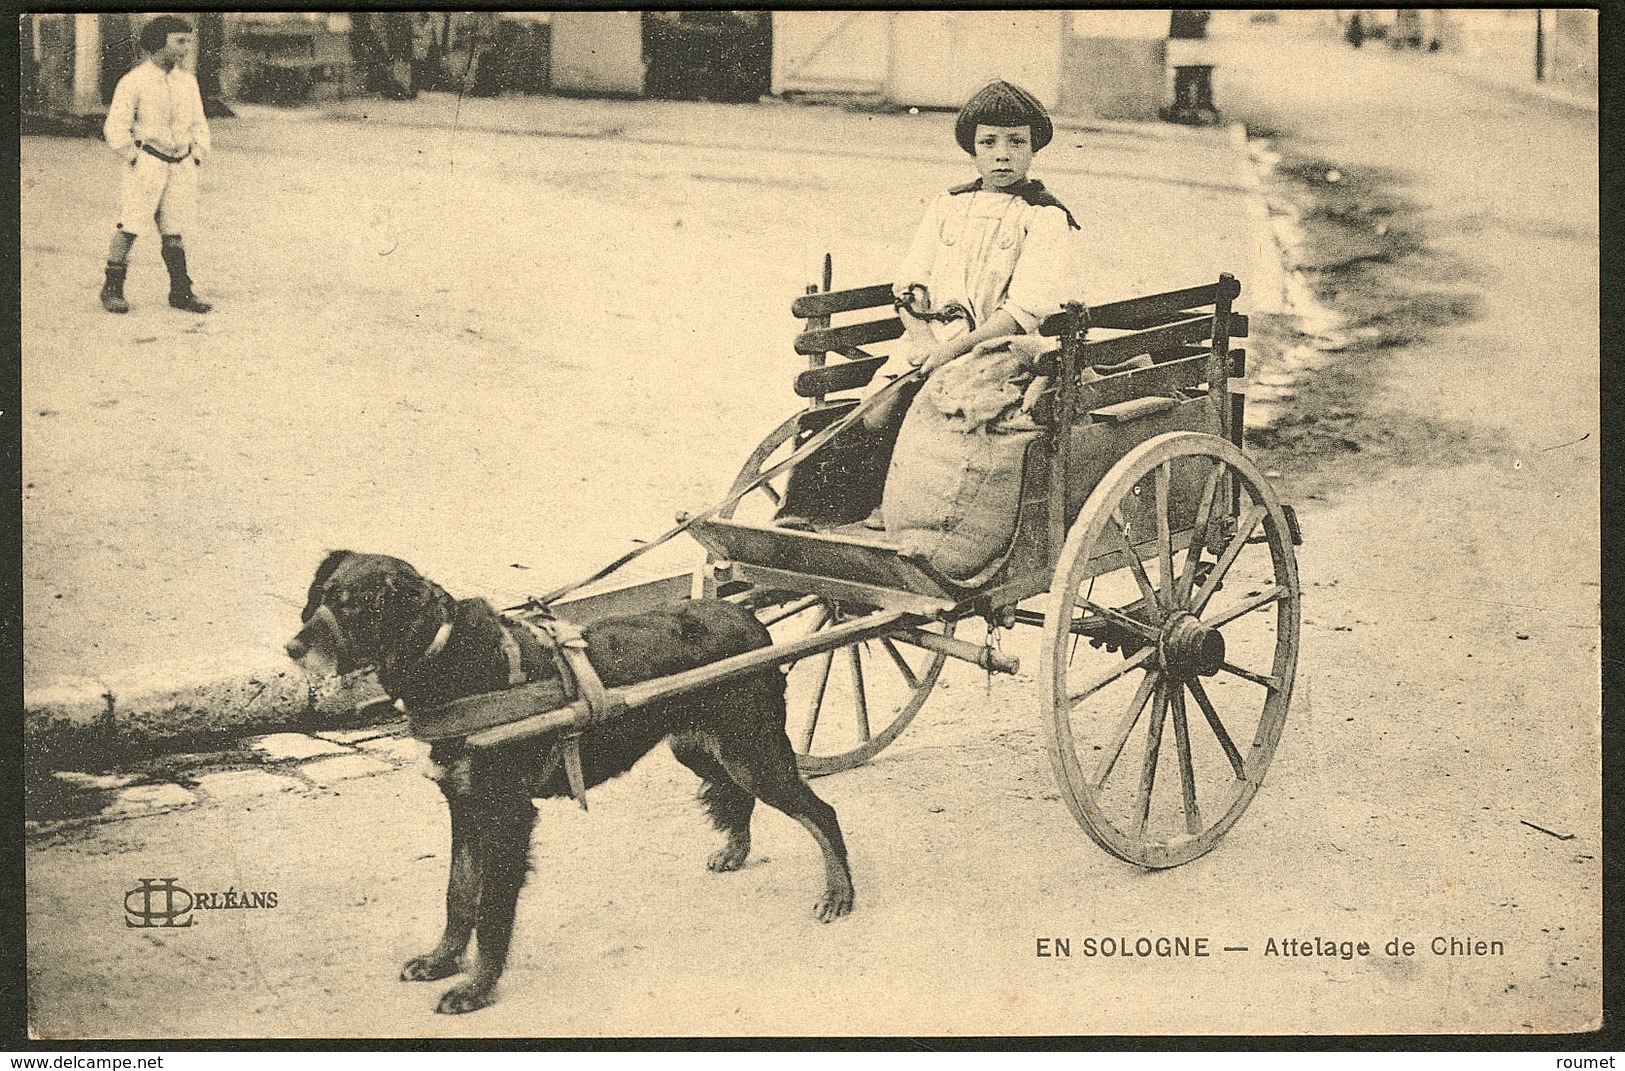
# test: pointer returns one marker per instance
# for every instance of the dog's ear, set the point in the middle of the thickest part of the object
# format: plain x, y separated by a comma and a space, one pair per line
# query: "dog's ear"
324, 572
408, 593
410, 608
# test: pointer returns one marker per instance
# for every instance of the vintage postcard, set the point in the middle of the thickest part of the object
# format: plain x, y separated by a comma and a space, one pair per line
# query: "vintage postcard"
811, 524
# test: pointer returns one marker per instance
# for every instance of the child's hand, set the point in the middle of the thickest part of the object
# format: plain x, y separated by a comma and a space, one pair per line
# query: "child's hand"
930, 358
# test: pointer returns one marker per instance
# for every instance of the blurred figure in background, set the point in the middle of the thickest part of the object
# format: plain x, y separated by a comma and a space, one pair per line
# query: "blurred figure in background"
156, 125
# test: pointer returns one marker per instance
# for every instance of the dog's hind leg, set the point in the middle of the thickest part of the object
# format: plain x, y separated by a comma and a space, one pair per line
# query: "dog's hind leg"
462, 900
729, 805
503, 849
767, 768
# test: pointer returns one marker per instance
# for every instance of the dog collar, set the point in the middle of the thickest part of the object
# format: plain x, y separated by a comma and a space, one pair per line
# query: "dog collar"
438, 644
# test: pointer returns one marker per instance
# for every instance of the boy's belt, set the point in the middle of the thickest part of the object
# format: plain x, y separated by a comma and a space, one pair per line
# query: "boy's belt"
164, 156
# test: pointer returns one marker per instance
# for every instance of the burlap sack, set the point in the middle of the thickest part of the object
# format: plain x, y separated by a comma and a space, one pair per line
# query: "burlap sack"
954, 483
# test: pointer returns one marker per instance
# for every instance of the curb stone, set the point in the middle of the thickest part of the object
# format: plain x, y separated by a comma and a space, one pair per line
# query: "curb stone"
1268, 295
154, 704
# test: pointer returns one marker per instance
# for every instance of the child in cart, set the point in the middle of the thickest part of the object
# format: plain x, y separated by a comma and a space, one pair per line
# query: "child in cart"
991, 259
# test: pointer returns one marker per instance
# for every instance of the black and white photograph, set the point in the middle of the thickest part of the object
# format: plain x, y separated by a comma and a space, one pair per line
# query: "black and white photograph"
822, 524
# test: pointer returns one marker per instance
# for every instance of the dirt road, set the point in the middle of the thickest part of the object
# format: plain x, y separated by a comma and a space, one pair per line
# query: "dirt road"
1447, 689
1447, 459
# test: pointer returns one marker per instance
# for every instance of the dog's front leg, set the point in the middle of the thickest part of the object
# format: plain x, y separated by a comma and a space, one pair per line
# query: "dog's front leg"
503, 849
462, 895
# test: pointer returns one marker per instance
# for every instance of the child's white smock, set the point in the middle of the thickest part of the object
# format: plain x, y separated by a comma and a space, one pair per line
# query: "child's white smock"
990, 251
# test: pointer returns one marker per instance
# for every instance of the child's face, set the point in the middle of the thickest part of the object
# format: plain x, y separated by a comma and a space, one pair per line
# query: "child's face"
1003, 154
174, 51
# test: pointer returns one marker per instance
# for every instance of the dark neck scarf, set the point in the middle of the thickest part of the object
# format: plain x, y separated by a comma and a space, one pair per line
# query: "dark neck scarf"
1031, 190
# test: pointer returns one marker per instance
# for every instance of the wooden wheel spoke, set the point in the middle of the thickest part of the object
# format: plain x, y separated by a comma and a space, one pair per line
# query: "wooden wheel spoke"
1247, 606
789, 610
1125, 727
1212, 716
824, 662
771, 492
1244, 532
1129, 665
902, 663
859, 707
1148, 770
1248, 675
1187, 774
1165, 539
1193, 553
860, 699
1139, 628
1136, 566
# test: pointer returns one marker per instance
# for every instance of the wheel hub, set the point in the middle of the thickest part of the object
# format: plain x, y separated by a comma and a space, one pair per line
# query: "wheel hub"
1190, 648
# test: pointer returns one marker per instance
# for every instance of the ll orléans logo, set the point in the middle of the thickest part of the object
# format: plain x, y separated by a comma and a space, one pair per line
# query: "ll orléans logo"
158, 902
161, 903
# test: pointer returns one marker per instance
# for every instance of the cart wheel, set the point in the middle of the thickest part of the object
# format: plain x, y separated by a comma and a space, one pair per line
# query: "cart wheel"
1205, 639
760, 504
846, 705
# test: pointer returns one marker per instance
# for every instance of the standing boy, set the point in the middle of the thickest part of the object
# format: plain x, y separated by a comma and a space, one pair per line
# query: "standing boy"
156, 125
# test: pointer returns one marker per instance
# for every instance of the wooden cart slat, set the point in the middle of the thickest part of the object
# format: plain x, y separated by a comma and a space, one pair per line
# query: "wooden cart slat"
808, 306
819, 554
1133, 313
1130, 314
769, 578
1183, 374
817, 382
836, 339
1151, 340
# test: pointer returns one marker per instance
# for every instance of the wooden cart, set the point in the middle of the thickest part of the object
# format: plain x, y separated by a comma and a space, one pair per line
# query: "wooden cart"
1148, 548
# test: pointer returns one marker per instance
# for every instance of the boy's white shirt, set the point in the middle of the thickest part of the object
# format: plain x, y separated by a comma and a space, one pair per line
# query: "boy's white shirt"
991, 251
165, 109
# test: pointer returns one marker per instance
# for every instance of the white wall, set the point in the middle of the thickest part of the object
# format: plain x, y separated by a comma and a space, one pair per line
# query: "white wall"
831, 51
598, 51
939, 58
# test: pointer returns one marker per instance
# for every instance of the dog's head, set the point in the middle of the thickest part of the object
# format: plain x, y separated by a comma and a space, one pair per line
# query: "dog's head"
367, 610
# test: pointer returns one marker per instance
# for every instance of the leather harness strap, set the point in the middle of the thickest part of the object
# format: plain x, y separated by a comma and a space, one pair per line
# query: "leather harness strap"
515, 657
569, 649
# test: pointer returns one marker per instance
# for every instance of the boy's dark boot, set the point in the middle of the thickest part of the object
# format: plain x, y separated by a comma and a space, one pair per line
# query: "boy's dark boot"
180, 284
113, 288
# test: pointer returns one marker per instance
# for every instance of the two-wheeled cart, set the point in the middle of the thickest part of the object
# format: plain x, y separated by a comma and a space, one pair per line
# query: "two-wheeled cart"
1148, 548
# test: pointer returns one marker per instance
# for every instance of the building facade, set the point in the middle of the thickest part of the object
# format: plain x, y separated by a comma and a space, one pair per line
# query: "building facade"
1108, 64
1099, 63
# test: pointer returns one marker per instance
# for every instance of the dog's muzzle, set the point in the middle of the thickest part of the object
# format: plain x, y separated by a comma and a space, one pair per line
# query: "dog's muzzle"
321, 645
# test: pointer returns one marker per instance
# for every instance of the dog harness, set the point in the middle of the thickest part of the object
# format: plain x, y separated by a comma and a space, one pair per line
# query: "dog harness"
577, 679
581, 681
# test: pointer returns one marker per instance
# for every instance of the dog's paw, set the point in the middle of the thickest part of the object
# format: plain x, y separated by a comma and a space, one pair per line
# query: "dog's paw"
833, 904
428, 969
730, 856
461, 999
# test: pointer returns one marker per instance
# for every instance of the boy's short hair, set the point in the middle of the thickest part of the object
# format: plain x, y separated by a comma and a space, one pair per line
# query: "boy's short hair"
155, 34
1002, 104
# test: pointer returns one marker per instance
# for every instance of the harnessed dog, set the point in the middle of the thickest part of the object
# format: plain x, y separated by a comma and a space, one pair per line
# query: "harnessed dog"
430, 649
